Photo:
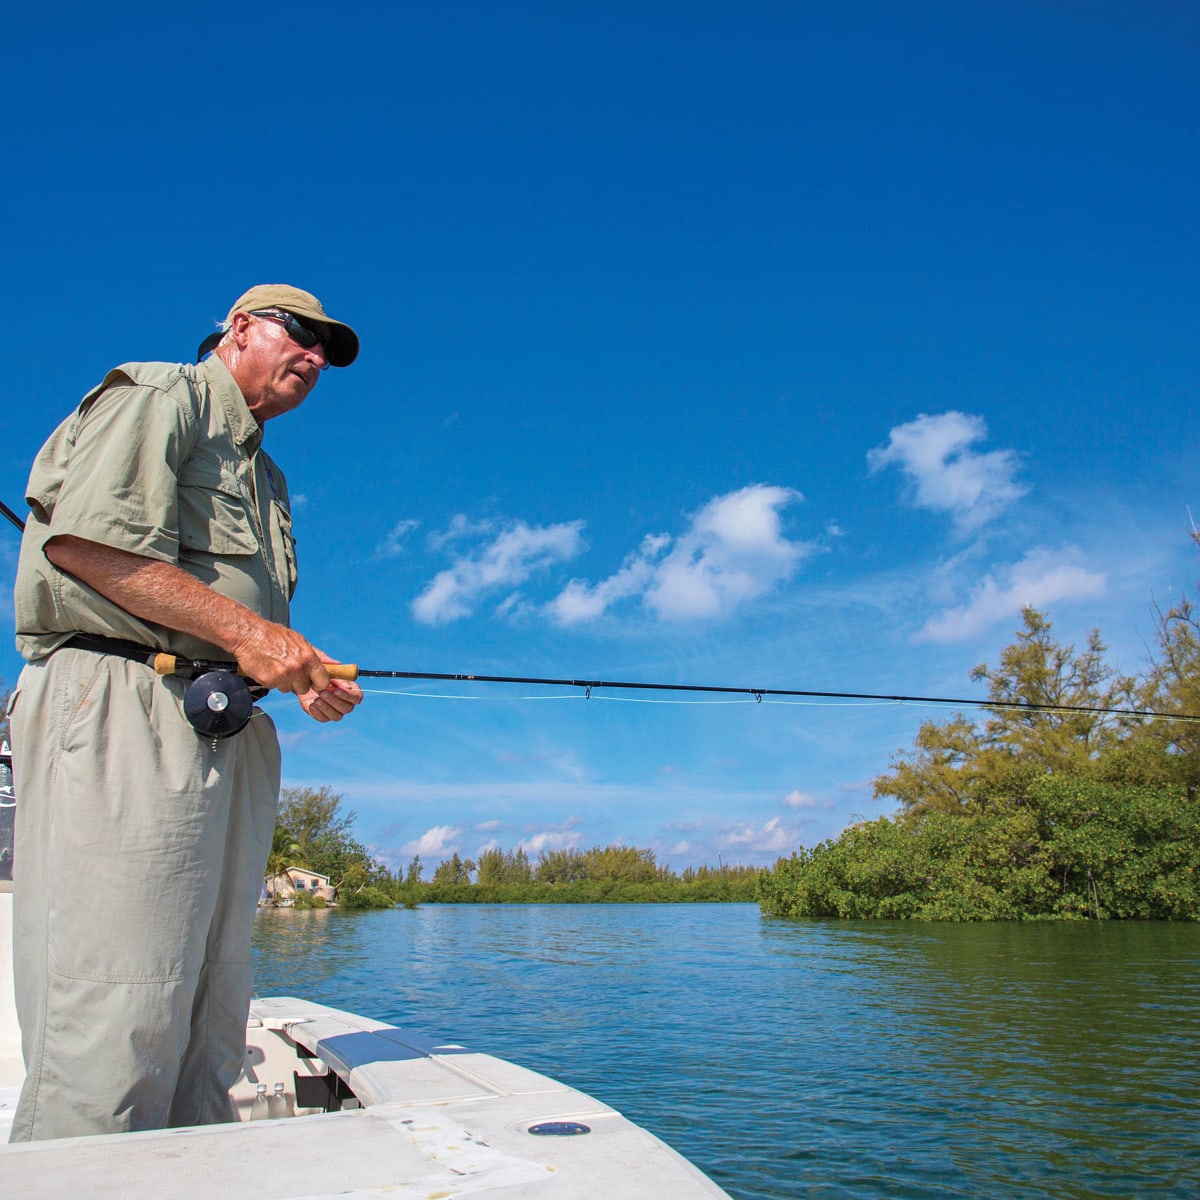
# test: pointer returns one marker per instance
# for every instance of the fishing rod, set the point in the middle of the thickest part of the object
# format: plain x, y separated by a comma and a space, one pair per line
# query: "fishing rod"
219, 699
12, 516
352, 672
215, 683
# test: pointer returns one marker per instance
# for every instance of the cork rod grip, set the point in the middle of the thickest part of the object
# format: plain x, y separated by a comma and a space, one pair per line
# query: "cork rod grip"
166, 664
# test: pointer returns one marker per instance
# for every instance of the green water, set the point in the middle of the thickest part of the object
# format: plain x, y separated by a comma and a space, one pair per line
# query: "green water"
817, 1059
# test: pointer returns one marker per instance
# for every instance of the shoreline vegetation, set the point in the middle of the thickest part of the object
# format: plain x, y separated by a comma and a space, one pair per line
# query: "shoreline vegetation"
1076, 797
312, 833
1064, 811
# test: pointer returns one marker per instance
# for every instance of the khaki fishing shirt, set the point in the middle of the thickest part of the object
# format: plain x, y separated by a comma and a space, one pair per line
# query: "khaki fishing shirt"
163, 460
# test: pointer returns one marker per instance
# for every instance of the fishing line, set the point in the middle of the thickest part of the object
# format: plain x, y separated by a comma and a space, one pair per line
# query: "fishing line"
634, 700
695, 703
418, 695
219, 702
759, 696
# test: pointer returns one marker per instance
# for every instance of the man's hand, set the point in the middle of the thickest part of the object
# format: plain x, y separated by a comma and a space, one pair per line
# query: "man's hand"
278, 657
331, 703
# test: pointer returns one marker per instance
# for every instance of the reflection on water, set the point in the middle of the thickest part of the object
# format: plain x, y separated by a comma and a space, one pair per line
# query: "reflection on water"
821, 1059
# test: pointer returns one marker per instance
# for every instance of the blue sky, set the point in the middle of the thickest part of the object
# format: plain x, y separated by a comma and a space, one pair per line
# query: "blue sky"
778, 345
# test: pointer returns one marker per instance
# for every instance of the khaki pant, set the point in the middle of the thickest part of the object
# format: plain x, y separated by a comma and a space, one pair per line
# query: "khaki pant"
140, 852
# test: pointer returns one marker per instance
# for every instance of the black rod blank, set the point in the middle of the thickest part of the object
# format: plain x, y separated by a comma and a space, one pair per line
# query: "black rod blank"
758, 693
12, 516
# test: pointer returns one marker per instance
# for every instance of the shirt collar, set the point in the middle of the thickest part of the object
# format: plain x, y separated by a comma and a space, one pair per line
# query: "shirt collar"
246, 430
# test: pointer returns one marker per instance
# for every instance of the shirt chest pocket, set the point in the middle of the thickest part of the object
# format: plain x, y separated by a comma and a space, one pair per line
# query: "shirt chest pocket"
213, 516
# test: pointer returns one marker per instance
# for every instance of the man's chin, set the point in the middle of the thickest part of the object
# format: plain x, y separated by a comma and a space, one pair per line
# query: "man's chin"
283, 401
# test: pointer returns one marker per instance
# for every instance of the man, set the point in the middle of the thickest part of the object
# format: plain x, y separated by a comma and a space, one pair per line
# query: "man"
157, 523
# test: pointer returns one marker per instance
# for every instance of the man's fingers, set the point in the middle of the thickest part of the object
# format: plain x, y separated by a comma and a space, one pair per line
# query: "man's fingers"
332, 704
278, 657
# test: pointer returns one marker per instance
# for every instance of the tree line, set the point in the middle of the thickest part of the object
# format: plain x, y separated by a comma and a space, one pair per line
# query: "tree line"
1062, 811
603, 874
314, 832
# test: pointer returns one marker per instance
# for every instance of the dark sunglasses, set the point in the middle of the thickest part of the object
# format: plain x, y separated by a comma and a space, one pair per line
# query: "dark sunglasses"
300, 333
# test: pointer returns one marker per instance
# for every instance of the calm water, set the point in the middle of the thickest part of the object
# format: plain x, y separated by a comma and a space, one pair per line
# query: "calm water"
818, 1059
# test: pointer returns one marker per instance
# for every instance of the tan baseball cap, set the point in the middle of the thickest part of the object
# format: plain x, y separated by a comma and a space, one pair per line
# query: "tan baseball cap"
342, 342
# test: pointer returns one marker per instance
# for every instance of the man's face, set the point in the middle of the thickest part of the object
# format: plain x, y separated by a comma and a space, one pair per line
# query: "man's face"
274, 372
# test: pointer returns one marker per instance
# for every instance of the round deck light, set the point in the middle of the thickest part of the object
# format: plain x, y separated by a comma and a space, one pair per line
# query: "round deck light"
559, 1129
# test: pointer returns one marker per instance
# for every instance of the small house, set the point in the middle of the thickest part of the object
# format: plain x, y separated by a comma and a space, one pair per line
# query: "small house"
296, 881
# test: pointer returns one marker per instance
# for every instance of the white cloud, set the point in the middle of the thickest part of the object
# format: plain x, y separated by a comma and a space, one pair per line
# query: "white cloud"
799, 799
551, 839
733, 551
393, 544
579, 601
934, 452
773, 837
438, 842
1041, 578
507, 559
461, 526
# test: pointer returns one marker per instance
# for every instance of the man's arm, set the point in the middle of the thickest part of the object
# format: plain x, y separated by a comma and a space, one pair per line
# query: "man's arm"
270, 654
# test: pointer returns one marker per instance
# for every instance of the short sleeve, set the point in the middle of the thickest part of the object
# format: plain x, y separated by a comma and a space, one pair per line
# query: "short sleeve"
120, 487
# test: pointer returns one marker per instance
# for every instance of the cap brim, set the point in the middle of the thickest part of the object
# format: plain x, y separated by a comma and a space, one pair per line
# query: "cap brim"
209, 343
342, 347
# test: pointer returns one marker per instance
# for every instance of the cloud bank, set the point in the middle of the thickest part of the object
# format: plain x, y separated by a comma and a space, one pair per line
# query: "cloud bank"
511, 553
439, 842
947, 475
1041, 578
734, 550
772, 837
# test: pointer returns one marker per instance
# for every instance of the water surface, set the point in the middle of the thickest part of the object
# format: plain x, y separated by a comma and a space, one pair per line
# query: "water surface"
822, 1059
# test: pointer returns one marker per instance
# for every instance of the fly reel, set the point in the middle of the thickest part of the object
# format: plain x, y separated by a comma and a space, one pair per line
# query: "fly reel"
218, 704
